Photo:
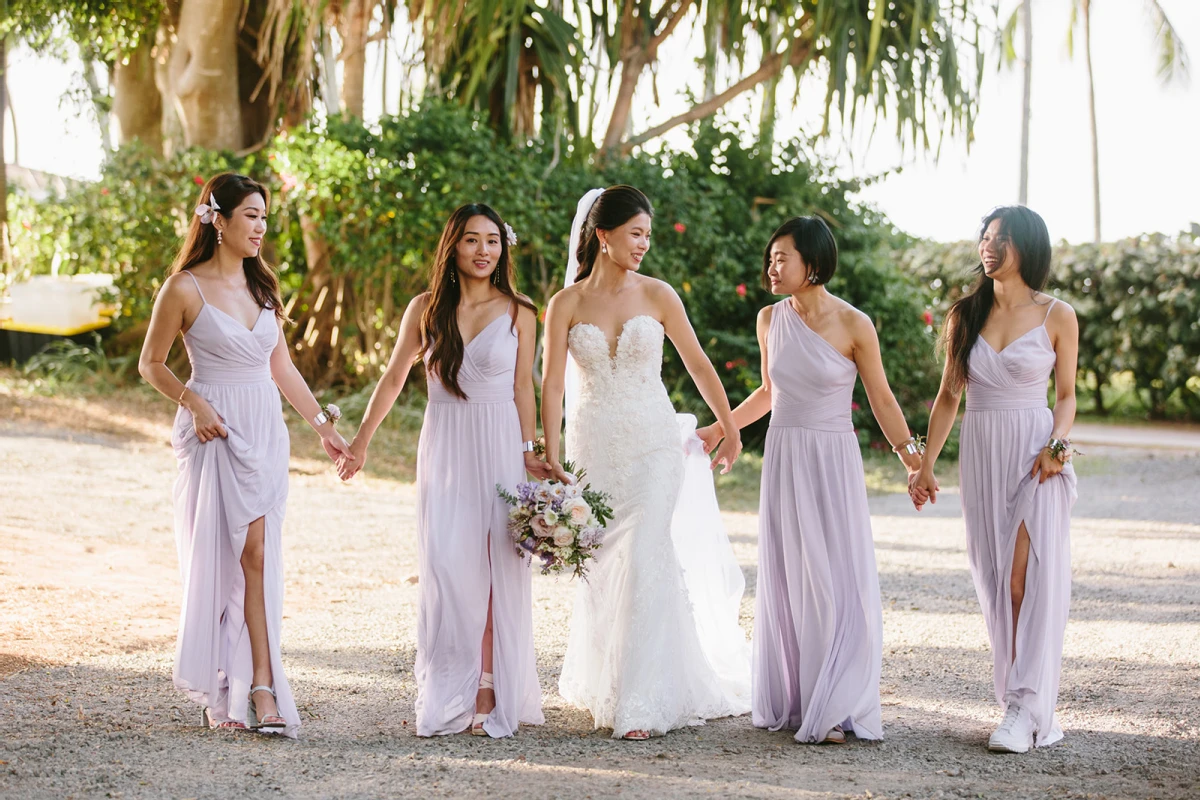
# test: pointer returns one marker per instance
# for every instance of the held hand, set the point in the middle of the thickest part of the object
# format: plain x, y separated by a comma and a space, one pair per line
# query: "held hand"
558, 473
1046, 466
349, 466
710, 437
728, 453
205, 419
537, 468
922, 488
336, 448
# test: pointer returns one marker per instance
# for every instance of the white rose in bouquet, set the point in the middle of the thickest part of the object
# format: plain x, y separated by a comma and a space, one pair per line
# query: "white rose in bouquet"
563, 536
576, 510
541, 528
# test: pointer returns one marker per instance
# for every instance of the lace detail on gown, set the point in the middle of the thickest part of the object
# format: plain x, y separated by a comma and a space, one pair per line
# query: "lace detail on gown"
651, 636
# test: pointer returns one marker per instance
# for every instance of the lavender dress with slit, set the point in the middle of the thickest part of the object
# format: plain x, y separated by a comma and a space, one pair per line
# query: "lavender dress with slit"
1006, 425
464, 553
817, 618
223, 486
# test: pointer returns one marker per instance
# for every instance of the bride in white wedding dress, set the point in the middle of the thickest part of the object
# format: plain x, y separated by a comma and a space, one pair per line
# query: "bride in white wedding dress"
655, 642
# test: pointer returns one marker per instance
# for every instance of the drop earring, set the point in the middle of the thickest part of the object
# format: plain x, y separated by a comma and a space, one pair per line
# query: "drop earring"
603, 247
496, 277
454, 276
218, 235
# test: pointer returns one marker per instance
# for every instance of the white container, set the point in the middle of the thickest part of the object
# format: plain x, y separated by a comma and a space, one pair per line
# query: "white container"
61, 304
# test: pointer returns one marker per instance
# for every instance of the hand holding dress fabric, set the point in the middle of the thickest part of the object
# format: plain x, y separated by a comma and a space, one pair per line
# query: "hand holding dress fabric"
207, 423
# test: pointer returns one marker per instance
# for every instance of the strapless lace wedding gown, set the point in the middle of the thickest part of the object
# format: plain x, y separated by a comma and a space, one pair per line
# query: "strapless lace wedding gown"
655, 642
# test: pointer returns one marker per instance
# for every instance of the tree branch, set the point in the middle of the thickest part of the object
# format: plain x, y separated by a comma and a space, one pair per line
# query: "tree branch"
672, 23
771, 66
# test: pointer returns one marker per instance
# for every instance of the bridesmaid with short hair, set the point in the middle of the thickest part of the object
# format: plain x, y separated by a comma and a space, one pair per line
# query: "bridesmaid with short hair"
232, 447
817, 619
475, 666
1002, 343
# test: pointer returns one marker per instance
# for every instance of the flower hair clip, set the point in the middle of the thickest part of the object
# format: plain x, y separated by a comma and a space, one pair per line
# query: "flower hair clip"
510, 234
206, 212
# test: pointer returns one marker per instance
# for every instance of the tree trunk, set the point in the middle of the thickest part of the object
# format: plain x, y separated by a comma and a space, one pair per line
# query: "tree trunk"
631, 71
202, 74
99, 99
1027, 86
5, 249
1087, 54
137, 103
257, 111
353, 25
331, 90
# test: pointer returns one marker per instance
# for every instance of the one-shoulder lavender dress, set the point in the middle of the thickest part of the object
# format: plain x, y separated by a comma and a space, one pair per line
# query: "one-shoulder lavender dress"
1006, 425
817, 620
223, 486
464, 553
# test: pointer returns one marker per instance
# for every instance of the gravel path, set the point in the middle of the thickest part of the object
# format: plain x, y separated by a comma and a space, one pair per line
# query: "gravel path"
88, 606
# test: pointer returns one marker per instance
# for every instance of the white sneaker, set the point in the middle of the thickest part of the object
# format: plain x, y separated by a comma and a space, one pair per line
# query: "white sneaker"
1015, 734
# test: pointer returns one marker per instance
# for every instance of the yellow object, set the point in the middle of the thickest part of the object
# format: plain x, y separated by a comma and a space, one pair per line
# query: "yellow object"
25, 327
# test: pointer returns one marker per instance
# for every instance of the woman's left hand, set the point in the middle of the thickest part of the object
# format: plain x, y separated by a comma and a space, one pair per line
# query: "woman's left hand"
1046, 466
728, 453
336, 448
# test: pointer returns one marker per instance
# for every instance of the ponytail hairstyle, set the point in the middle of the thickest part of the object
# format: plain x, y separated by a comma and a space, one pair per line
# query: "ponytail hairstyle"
614, 208
200, 244
1024, 231
440, 336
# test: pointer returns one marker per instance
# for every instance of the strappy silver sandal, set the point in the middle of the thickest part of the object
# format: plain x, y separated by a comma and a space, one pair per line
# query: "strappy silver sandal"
485, 682
270, 720
206, 719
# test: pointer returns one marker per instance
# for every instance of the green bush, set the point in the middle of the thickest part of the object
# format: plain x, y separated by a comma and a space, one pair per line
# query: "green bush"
1138, 304
378, 195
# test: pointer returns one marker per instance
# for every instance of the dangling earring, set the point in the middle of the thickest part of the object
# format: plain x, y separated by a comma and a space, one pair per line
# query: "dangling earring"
603, 247
218, 235
496, 277
454, 276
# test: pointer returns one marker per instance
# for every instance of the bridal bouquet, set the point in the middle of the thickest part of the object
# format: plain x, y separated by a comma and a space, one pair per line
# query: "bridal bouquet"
560, 523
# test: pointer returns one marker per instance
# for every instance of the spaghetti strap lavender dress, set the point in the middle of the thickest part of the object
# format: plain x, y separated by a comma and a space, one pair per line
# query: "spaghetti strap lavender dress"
1005, 427
464, 553
223, 485
817, 620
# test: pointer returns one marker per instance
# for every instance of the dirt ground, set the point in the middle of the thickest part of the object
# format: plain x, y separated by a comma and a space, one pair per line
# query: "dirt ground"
89, 589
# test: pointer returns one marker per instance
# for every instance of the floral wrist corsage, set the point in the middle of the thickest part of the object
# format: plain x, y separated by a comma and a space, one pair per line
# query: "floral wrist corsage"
328, 413
1061, 450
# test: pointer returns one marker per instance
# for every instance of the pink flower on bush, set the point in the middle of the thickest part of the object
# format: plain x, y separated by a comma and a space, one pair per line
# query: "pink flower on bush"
199, 181
854, 406
680, 227
26, 226
728, 364
103, 190
289, 182
741, 290
928, 317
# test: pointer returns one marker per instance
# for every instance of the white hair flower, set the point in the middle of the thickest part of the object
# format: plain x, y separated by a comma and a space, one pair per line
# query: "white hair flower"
206, 211
510, 234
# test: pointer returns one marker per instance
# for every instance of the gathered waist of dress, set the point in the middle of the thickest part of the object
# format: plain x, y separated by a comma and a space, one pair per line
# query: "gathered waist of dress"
232, 377
1015, 398
477, 393
814, 416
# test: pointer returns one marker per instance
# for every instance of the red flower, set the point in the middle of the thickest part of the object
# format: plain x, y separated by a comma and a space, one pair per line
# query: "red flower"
542, 315
198, 180
680, 227
26, 226
741, 290
928, 317
103, 190
854, 406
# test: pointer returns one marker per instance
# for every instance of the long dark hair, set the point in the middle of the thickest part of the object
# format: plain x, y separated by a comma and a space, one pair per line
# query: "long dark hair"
612, 209
440, 335
200, 244
1023, 230
814, 241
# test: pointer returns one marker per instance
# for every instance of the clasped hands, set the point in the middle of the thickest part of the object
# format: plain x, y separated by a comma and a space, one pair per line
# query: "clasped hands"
353, 458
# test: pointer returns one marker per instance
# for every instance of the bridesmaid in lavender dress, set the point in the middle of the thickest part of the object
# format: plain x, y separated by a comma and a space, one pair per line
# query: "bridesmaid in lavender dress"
1002, 342
232, 447
817, 619
475, 663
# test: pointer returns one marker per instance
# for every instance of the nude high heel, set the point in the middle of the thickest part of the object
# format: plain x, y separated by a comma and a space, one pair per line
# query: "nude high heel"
485, 682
